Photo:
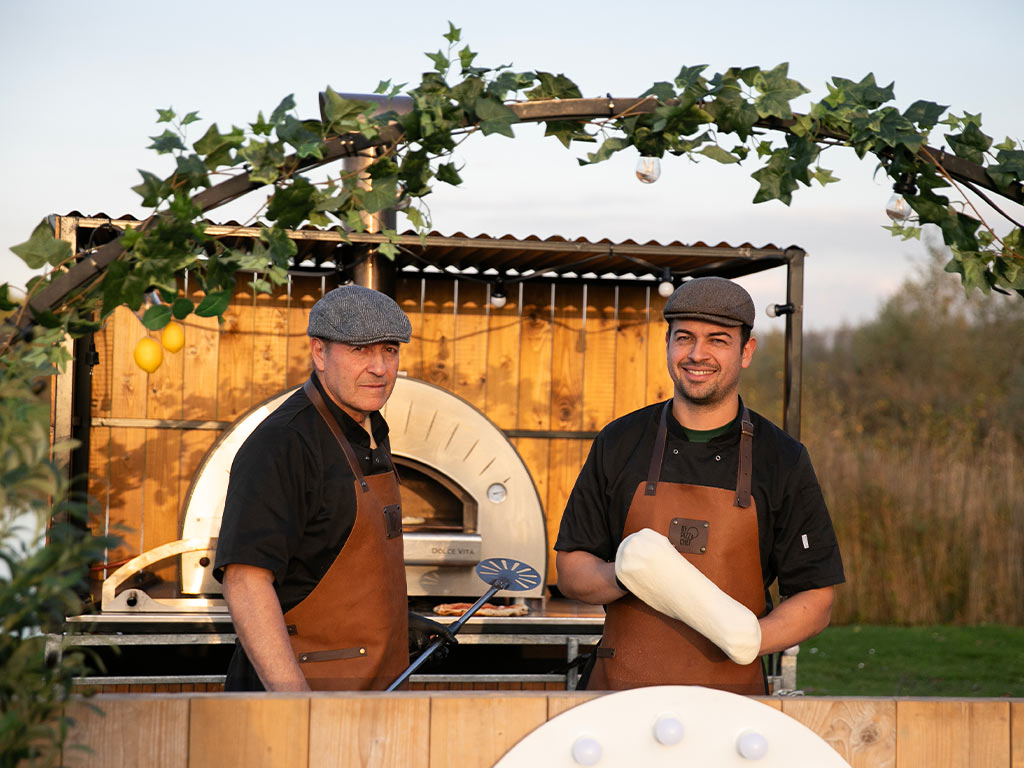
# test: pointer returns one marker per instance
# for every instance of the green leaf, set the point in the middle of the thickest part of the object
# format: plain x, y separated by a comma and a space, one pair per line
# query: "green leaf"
190, 118
730, 110
343, 114
42, 248
925, 113
157, 317
608, 148
824, 176
1008, 168
388, 249
217, 146
261, 127
971, 144
290, 205
381, 195
775, 179
554, 87
152, 190
447, 173
494, 116
415, 218
777, 90
1007, 144
114, 287
895, 130
718, 154
282, 248
453, 34
662, 91
466, 57
866, 93
264, 159
214, 304
181, 308
567, 131
166, 142
306, 142
165, 115
440, 60
287, 105
192, 168
692, 82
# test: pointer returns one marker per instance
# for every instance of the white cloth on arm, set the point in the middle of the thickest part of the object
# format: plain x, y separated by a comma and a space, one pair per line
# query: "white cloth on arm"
651, 568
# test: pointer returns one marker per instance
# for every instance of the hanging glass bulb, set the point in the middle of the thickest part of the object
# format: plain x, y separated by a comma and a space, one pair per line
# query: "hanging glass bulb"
897, 208
648, 169
498, 296
666, 286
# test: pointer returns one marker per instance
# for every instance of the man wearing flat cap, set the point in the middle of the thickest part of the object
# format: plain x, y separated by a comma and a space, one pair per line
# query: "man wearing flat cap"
687, 511
310, 547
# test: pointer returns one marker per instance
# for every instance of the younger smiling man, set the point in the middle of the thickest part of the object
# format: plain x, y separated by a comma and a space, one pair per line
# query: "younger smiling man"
686, 512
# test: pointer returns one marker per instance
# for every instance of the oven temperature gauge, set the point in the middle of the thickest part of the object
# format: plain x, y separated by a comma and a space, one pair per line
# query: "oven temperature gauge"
497, 493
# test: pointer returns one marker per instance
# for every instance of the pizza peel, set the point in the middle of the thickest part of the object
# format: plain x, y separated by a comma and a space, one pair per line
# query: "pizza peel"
500, 573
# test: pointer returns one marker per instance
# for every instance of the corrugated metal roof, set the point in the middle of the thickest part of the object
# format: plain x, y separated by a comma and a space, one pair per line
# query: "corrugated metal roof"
458, 252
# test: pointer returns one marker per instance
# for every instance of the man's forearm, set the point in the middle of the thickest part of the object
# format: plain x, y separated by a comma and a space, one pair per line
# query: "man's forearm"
260, 626
796, 618
583, 576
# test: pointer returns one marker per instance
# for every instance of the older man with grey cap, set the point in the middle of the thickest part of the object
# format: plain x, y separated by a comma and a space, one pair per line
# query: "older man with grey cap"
310, 548
687, 511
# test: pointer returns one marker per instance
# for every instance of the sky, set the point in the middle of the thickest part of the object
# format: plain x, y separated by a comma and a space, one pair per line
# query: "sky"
81, 83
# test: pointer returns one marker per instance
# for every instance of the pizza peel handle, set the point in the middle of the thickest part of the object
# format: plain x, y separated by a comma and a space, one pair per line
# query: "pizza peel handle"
501, 573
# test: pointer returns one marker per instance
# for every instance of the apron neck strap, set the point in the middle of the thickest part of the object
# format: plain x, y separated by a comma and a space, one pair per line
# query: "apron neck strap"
743, 470
332, 423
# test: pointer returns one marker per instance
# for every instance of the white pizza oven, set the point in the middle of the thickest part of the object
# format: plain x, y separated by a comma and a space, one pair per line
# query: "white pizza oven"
466, 494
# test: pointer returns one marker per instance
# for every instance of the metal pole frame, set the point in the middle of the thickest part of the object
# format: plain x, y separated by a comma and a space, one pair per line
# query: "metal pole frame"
793, 373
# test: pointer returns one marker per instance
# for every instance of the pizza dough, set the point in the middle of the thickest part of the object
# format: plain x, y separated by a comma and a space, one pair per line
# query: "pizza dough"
487, 609
651, 568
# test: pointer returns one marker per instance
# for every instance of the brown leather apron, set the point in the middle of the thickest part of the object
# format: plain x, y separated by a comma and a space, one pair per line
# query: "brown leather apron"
351, 632
716, 530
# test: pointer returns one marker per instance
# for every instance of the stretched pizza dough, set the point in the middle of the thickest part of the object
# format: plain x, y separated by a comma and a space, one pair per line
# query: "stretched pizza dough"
651, 568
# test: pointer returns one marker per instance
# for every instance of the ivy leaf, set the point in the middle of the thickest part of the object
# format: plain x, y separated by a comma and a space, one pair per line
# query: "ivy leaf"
264, 159
554, 87
165, 115
453, 34
281, 247
777, 90
508, 82
166, 142
691, 82
824, 176
214, 304
866, 93
287, 105
415, 218
390, 250
775, 179
191, 117
925, 113
342, 114
732, 112
292, 204
192, 168
157, 317
306, 142
895, 129
608, 148
1007, 144
42, 248
382, 194
152, 190
1009, 168
466, 57
181, 308
661, 91
715, 152
447, 173
971, 144
440, 61
567, 131
261, 127
217, 146
494, 116
113, 284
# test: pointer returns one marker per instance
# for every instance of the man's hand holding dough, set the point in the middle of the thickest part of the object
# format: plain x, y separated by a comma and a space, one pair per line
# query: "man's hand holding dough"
650, 567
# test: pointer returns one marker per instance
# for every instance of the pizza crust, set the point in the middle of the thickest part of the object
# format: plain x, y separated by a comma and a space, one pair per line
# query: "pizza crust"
487, 609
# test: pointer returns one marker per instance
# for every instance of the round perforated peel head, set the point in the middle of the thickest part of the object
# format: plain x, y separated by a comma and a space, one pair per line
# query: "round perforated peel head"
512, 574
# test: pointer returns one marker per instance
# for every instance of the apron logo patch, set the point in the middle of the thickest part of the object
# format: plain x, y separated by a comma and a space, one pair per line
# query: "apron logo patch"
689, 536
393, 520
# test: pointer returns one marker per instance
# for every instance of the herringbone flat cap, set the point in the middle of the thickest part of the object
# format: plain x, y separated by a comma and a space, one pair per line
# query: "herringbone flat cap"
713, 299
357, 315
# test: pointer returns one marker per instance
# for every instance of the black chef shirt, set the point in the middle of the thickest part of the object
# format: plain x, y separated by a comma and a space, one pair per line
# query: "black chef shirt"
291, 500
797, 543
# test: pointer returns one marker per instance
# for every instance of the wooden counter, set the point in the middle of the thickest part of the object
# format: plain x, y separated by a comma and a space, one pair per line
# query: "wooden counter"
474, 729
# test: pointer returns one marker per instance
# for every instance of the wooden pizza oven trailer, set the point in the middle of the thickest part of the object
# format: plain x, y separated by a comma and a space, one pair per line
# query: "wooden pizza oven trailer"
578, 341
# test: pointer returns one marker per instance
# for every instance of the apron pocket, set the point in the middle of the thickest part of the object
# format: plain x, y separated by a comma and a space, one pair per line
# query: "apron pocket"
340, 653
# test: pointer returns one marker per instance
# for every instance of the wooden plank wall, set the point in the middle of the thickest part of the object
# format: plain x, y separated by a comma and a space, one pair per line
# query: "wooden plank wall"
563, 357
473, 730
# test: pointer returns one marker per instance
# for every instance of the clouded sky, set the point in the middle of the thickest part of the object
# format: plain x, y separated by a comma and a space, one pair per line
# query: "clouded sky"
81, 84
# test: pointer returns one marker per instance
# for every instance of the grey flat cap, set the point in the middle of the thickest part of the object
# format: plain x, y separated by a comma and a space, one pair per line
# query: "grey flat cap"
356, 315
713, 299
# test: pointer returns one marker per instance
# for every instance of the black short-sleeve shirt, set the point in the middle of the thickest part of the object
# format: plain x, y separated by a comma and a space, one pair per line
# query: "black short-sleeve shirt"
796, 539
291, 501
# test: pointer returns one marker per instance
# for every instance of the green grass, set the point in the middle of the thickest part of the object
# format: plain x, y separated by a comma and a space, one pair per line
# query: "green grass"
913, 661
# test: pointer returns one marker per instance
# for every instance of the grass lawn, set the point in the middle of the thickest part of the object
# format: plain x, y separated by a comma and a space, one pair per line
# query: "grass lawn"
913, 661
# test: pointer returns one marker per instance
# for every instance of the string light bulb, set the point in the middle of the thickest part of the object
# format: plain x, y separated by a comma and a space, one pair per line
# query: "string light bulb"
498, 295
666, 286
648, 169
897, 208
